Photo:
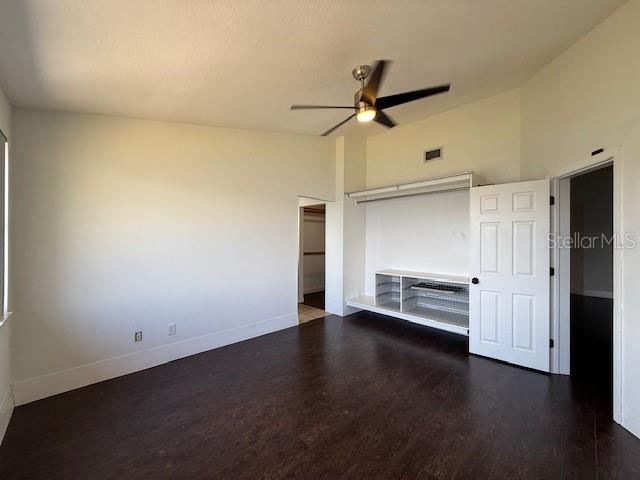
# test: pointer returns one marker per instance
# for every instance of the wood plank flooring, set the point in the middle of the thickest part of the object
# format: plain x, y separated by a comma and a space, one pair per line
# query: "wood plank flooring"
364, 397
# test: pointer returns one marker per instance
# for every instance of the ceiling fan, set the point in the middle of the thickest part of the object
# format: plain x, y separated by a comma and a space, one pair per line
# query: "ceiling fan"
367, 106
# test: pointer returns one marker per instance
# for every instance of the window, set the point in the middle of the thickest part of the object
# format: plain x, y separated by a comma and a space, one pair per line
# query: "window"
4, 180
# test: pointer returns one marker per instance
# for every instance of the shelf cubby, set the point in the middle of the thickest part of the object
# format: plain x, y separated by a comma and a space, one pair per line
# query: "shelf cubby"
436, 300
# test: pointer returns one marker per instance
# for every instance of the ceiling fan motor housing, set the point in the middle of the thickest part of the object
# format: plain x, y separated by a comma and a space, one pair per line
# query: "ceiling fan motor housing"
361, 72
361, 106
359, 99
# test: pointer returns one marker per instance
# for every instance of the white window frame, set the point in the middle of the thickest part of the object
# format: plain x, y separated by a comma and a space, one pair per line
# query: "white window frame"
4, 291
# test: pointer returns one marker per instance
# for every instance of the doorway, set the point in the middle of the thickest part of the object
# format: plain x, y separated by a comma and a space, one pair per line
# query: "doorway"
591, 280
311, 270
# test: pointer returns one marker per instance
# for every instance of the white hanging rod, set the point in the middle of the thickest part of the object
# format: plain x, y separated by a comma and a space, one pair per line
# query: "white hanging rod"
459, 189
449, 183
431, 182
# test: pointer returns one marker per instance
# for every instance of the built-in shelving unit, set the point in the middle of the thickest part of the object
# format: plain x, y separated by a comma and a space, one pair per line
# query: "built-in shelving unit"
436, 300
388, 291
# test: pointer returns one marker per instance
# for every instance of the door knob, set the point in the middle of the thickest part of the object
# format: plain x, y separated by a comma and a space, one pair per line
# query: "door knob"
475, 281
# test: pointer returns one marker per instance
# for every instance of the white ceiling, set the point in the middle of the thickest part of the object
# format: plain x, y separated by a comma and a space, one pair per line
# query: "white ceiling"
241, 63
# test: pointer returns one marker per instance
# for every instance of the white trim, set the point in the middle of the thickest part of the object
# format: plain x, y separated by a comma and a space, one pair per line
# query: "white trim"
556, 285
631, 420
5, 233
6, 410
593, 163
35, 388
601, 160
340, 310
618, 300
304, 201
334, 308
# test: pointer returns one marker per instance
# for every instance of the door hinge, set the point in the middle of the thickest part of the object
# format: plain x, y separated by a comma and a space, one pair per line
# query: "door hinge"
551, 343
552, 200
552, 271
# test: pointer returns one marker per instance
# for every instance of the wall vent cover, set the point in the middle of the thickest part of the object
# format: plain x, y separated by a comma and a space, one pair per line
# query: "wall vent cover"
433, 154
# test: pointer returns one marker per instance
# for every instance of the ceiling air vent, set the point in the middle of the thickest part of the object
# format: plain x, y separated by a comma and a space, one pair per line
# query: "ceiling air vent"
433, 154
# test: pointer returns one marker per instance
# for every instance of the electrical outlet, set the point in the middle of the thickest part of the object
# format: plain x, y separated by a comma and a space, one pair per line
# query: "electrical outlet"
137, 337
172, 329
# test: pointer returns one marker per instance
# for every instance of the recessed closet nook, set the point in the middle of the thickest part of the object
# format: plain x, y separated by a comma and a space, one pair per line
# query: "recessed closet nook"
451, 254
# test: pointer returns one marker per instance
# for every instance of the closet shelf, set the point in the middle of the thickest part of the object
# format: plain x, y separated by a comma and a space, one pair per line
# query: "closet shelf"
450, 183
438, 277
446, 321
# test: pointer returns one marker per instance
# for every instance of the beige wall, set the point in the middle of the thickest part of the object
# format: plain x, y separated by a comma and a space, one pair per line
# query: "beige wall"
483, 137
5, 364
123, 225
587, 98
345, 227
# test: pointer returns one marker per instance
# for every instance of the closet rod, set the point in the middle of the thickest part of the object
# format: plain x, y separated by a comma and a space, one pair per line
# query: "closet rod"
458, 189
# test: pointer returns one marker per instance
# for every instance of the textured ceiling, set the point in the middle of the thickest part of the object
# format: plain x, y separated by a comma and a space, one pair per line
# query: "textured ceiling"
241, 63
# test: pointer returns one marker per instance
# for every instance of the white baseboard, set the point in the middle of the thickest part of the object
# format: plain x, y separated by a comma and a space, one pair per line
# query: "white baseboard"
334, 308
342, 310
35, 388
631, 420
6, 410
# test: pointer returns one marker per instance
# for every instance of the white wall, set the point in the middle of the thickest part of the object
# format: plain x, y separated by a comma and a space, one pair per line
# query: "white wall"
423, 234
585, 99
354, 218
483, 137
589, 98
345, 227
123, 225
6, 402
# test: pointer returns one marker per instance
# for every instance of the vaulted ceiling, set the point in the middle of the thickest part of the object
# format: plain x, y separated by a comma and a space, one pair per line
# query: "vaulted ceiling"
241, 63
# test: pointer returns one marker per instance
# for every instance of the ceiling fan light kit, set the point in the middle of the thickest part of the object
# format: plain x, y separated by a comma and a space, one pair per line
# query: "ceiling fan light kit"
366, 113
367, 106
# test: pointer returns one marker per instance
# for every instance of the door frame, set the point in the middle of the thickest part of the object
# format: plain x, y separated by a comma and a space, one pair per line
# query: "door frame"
305, 201
560, 261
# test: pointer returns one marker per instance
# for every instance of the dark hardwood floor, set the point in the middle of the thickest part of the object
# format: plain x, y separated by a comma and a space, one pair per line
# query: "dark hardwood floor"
592, 338
315, 299
363, 397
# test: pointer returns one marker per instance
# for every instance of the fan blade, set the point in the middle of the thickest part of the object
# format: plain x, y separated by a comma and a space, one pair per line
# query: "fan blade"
400, 98
314, 107
338, 125
384, 119
370, 91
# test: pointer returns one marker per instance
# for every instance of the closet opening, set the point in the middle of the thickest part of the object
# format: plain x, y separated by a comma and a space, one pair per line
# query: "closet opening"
591, 281
311, 263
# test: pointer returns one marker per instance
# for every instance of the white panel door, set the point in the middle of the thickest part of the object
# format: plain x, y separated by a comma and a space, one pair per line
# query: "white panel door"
509, 294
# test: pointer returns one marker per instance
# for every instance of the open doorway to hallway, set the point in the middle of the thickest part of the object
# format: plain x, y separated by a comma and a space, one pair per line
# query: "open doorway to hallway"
591, 266
311, 271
